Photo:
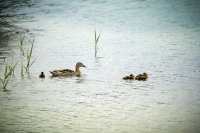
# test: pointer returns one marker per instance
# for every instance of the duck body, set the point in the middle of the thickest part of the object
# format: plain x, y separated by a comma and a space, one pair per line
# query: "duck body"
62, 72
141, 77
68, 72
130, 77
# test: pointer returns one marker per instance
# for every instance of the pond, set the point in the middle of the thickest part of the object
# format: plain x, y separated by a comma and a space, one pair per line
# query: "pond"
160, 38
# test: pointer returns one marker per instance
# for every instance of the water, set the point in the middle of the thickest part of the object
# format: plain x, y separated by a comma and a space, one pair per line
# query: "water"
157, 37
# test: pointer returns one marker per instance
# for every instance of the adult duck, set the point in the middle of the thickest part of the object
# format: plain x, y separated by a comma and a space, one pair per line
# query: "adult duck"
68, 72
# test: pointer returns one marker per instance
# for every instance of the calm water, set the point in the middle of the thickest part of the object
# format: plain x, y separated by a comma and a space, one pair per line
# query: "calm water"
160, 37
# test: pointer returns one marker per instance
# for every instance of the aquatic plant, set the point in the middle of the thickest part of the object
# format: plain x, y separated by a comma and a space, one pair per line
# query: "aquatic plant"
29, 61
8, 72
12, 68
96, 40
22, 70
26, 55
21, 42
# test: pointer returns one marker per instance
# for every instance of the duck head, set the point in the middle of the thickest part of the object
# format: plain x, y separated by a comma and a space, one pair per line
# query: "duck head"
79, 64
145, 74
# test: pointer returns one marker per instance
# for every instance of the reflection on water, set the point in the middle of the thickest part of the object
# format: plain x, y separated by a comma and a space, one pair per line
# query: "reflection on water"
157, 37
9, 17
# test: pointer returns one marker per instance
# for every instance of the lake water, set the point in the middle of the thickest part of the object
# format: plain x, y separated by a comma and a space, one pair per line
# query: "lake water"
160, 37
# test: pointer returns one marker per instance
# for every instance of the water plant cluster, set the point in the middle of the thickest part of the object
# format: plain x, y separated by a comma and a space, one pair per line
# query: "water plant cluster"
9, 71
26, 54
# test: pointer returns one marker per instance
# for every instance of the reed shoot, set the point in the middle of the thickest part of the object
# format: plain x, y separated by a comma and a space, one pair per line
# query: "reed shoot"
8, 72
21, 42
29, 62
96, 40
26, 55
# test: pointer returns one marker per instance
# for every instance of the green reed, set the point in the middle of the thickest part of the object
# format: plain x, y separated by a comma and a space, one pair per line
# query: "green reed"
26, 55
96, 40
7, 75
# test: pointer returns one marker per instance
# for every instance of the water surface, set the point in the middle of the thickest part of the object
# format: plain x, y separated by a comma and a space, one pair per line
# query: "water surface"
157, 37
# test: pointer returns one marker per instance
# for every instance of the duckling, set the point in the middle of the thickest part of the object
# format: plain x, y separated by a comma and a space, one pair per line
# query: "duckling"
130, 77
68, 72
42, 75
142, 77
126, 77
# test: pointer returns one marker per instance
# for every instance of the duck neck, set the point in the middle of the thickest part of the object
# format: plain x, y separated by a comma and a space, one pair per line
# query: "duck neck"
77, 70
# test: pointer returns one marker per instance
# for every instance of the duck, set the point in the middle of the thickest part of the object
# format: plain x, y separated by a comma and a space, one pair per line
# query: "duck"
130, 77
42, 75
141, 77
68, 72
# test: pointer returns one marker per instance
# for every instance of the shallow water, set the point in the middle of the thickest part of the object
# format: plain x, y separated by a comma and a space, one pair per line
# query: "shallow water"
157, 37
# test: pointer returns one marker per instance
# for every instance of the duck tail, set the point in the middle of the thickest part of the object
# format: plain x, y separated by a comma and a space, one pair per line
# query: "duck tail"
52, 73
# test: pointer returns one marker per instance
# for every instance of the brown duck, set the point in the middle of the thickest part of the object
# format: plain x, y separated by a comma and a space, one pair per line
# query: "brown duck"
130, 77
141, 77
68, 72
